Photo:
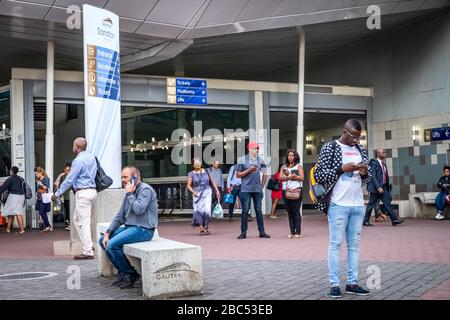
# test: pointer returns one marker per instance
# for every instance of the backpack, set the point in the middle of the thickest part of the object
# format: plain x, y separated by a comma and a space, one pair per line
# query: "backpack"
26, 190
316, 190
102, 181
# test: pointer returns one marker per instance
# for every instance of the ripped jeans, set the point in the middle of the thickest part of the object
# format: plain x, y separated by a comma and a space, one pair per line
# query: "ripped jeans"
344, 222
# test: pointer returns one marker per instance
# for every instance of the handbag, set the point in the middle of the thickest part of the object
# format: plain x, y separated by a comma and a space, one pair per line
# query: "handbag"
293, 194
273, 184
102, 181
4, 197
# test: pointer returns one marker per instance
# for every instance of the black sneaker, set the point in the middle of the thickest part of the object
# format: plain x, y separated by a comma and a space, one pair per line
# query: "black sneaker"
355, 289
130, 280
335, 292
242, 236
264, 235
120, 279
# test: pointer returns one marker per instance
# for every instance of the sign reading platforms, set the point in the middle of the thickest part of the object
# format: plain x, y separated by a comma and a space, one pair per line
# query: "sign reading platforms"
187, 91
102, 89
437, 134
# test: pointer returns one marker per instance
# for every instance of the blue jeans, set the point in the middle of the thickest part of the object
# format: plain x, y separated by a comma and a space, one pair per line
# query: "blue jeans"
245, 198
344, 221
440, 202
120, 237
235, 191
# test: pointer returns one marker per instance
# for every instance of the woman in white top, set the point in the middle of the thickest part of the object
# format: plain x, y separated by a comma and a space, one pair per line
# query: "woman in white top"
292, 176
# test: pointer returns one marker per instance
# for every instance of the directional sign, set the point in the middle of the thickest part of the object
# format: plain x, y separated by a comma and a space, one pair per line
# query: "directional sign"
187, 91
437, 134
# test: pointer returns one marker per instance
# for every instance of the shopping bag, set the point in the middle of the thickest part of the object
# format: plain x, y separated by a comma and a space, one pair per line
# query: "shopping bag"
218, 212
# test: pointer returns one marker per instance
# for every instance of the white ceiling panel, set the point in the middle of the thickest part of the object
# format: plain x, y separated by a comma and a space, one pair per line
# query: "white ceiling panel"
222, 12
175, 11
247, 26
334, 15
431, 4
405, 6
47, 2
256, 9
209, 31
129, 25
288, 7
282, 22
159, 30
139, 9
67, 3
24, 10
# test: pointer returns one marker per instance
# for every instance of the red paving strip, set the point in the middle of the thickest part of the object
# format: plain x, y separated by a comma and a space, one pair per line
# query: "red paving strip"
441, 292
31, 244
423, 240
416, 240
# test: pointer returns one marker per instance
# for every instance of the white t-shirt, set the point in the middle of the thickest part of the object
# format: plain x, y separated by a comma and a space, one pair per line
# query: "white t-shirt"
348, 189
292, 184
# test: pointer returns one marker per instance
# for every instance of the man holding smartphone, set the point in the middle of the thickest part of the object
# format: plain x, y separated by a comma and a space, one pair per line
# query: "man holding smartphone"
139, 214
342, 167
251, 170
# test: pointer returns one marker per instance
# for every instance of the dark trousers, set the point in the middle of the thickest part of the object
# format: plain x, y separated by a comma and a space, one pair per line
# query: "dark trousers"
67, 210
245, 198
293, 210
374, 198
235, 191
441, 202
214, 199
43, 208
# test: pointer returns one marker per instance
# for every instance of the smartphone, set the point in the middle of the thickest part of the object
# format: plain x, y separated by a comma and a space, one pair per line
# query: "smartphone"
295, 172
133, 180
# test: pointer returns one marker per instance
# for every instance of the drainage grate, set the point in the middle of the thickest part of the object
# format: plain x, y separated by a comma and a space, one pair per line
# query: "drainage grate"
26, 276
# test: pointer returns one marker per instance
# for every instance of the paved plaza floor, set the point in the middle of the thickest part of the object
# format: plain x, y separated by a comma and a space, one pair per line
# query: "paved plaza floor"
413, 261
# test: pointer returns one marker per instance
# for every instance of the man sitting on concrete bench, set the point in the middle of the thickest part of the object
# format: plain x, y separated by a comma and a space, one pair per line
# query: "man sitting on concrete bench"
139, 214
444, 187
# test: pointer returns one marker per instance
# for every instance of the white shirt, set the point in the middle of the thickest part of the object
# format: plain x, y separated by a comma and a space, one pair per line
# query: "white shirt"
348, 189
292, 184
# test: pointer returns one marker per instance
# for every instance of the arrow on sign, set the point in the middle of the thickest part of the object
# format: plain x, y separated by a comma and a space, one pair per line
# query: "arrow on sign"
203, 83
203, 100
447, 133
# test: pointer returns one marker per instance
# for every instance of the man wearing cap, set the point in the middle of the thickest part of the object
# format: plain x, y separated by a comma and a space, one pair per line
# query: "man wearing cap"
251, 170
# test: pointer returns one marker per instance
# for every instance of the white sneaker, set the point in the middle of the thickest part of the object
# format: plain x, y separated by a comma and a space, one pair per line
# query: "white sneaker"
439, 216
67, 228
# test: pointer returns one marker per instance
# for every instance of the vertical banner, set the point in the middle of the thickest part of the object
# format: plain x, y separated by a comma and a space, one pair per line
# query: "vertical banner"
102, 89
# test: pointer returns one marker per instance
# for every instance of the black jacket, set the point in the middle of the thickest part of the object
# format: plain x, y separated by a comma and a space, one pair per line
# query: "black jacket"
444, 180
377, 176
14, 185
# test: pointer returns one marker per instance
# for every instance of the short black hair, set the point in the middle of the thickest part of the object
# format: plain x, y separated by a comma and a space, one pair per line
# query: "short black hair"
446, 168
68, 164
14, 170
354, 124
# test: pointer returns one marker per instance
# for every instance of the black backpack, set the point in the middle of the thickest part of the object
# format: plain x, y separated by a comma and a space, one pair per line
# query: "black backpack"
102, 181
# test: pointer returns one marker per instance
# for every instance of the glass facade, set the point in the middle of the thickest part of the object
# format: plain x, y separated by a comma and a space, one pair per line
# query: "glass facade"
5, 133
147, 136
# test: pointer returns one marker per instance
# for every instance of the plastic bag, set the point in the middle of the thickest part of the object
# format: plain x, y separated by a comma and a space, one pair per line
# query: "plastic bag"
218, 212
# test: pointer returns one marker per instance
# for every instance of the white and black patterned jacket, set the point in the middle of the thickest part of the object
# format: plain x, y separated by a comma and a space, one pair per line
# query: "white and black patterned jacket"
329, 168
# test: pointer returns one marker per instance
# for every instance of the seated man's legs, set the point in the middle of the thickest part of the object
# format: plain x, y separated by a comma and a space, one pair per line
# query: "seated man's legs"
119, 238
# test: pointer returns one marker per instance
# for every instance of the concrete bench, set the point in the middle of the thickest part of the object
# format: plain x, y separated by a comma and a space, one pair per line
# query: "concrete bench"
168, 268
422, 205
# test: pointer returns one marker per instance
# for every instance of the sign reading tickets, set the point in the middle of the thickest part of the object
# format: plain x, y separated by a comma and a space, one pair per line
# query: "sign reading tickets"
102, 89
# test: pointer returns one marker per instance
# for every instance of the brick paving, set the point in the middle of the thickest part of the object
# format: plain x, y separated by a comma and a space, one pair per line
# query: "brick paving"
414, 260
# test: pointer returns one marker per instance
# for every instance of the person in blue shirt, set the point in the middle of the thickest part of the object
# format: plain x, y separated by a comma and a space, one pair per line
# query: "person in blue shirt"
42, 186
251, 169
82, 180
